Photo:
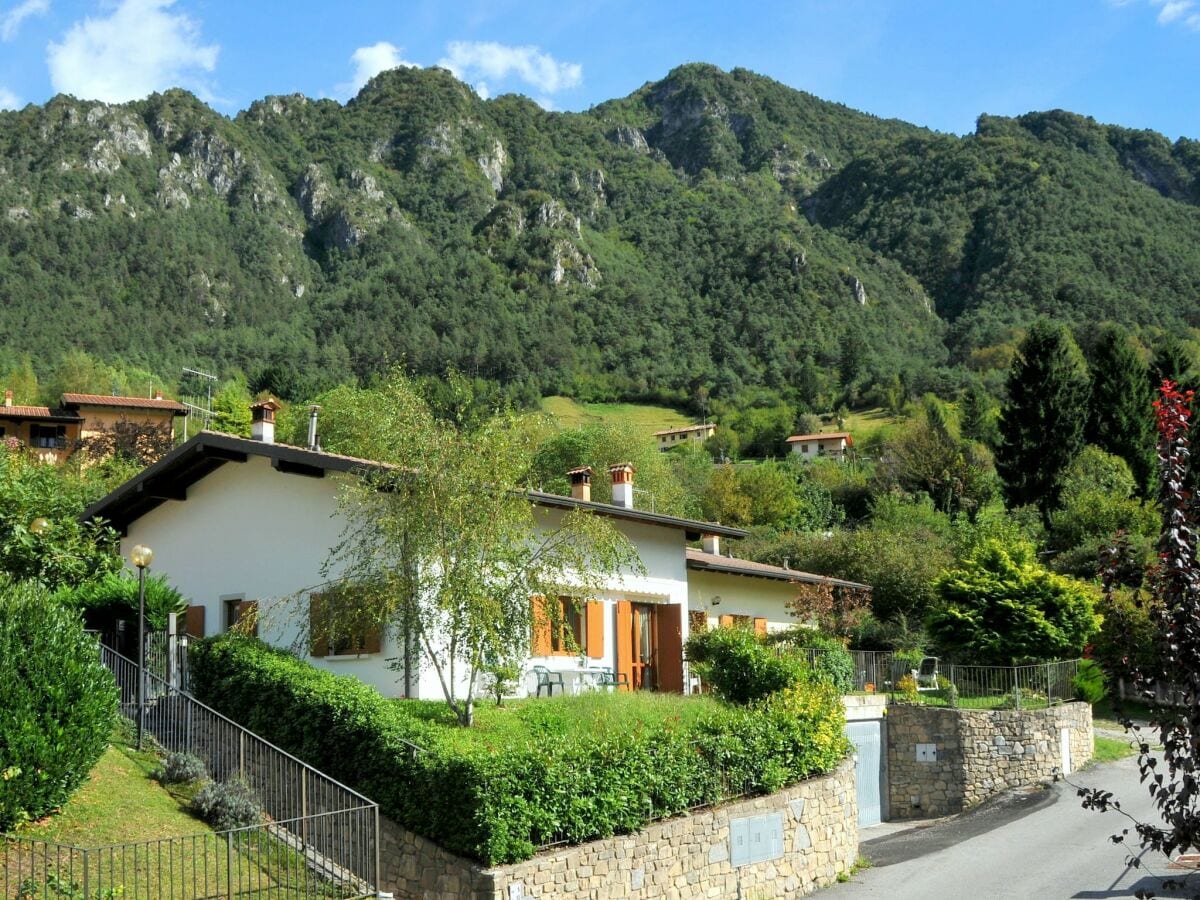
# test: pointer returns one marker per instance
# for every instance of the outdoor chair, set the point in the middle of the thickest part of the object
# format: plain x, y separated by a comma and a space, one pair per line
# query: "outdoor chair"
547, 679
926, 676
610, 679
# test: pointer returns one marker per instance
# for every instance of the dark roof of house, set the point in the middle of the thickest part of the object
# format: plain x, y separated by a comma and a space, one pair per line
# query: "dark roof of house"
731, 565
684, 428
170, 477
124, 402
37, 412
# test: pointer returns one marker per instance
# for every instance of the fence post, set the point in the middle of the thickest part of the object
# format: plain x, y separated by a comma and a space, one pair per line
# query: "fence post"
378, 840
229, 864
1048, 677
87, 885
173, 650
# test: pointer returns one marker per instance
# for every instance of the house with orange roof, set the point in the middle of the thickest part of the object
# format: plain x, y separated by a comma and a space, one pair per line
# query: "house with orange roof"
87, 420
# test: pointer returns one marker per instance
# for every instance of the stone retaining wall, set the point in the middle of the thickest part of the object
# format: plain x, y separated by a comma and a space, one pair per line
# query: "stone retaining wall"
976, 753
697, 855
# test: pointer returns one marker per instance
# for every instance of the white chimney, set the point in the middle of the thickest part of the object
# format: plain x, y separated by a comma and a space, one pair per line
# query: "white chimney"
581, 482
7, 398
262, 420
622, 484
711, 543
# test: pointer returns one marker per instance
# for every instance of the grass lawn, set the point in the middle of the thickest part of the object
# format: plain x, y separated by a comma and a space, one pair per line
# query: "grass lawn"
119, 803
862, 423
1104, 714
1111, 749
571, 414
592, 714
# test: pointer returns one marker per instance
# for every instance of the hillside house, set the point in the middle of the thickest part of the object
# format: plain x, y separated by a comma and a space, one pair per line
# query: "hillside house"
678, 437
239, 525
86, 420
832, 445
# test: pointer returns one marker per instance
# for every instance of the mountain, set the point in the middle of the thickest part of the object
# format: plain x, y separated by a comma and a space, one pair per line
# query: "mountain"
713, 229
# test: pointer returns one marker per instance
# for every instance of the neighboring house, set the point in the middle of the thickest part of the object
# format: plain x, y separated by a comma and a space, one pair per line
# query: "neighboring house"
832, 445
244, 525
86, 420
675, 437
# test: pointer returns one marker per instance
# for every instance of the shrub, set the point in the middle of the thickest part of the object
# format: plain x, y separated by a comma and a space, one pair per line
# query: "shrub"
178, 768
561, 769
115, 595
739, 666
226, 805
58, 703
834, 663
1090, 682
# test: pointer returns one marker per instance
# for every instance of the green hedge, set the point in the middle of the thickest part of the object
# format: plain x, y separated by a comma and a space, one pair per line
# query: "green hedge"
58, 703
569, 769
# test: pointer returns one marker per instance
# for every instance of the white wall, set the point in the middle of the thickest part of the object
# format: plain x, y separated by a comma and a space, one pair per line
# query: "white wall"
741, 596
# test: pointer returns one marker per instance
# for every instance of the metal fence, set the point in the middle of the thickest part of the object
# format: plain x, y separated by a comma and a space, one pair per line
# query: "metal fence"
940, 683
319, 838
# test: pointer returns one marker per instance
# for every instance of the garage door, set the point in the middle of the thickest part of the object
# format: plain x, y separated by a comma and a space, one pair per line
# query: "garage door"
868, 771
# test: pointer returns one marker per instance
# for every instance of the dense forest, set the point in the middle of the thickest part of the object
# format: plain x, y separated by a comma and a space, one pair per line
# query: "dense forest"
713, 234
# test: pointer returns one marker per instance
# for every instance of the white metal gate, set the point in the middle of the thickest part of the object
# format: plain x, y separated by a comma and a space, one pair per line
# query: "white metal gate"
868, 770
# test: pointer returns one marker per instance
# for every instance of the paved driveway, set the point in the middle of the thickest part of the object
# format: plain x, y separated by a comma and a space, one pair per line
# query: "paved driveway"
1039, 845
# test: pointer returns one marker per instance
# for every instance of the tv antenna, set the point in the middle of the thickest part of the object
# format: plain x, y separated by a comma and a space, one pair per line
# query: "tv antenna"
196, 388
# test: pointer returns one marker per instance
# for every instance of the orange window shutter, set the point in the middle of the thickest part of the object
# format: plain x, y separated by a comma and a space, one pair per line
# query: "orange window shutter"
595, 629
625, 640
725, 621
318, 639
540, 618
373, 641
760, 627
670, 647
193, 621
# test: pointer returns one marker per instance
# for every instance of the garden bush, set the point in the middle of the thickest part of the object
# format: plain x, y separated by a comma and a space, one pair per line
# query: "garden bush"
1090, 682
834, 663
58, 703
226, 805
739, 667
115, 596
179, 768
559, 769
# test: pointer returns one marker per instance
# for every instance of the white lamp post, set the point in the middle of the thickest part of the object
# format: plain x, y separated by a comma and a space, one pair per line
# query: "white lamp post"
141, 556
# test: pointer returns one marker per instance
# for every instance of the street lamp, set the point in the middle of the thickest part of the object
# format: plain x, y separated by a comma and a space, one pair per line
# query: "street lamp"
141, 556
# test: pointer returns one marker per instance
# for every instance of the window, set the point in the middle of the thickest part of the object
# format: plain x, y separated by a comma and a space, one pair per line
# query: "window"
48, 437
804, 447
569, 633
570, 627
322, 643
240, 614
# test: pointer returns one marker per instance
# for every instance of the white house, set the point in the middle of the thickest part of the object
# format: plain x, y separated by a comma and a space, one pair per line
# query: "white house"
677, 437
240, 524
832, 445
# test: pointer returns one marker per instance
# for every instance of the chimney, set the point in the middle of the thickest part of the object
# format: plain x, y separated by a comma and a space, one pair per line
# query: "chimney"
581, 482
711, 543
622, 484
158, 394
312, 427
8, 398
262, 420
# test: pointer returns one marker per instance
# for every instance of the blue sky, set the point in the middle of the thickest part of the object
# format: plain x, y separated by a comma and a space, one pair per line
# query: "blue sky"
933, 62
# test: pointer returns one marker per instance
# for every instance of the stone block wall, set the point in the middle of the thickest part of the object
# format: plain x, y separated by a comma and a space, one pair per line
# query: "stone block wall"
977, 753
684, 857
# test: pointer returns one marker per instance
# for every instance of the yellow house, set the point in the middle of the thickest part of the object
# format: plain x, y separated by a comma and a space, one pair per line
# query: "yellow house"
86, 420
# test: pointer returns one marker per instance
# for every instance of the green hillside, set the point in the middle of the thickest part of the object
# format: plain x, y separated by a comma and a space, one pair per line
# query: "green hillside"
571, 414
713, 232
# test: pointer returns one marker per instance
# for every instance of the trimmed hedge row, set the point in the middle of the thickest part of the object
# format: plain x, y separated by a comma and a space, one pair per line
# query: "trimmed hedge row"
58, 703
497, 795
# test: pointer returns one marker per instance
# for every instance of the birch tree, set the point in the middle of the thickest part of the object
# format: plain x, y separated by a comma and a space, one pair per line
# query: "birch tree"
442, 542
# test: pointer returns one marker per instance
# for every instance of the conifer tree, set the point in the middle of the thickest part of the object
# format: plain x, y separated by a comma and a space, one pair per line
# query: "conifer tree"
1042, 423
1121, 419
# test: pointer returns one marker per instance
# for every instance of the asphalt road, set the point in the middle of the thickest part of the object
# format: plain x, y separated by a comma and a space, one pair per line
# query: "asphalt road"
1036, 844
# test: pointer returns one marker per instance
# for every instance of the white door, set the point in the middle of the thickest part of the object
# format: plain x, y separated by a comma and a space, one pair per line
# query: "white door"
868, 770
1064, 743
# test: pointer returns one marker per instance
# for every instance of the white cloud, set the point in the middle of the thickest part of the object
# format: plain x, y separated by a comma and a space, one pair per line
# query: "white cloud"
369, 62
8, 100
1172, 12
141, 47
474, 61
10, 21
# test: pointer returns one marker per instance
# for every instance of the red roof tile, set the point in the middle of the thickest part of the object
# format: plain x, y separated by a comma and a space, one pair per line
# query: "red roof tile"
122, 402
813, 437
26, 412
698, 559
